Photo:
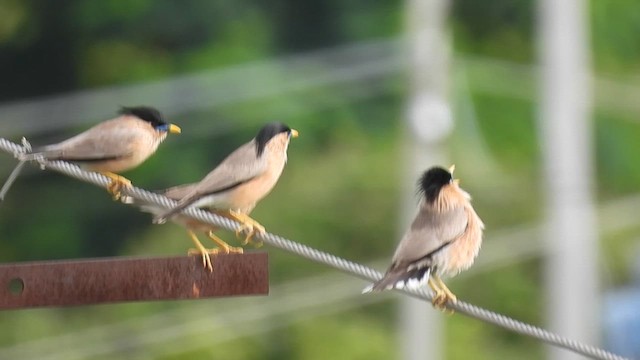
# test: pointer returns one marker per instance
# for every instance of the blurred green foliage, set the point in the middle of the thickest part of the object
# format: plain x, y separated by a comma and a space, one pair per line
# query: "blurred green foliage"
340, 191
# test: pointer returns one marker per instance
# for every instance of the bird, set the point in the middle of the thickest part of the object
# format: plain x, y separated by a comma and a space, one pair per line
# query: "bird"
444, 238
110, 147
192, 225
242, 179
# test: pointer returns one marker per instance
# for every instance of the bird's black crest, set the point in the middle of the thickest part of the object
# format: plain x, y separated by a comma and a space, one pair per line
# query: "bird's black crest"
146, 113
432, 182
267, 133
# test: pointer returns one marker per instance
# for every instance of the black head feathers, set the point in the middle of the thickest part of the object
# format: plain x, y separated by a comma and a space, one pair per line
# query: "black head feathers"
432, 181
267, 133
146, 113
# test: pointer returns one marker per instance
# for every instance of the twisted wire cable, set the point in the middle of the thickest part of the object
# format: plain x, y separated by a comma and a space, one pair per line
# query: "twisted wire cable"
312, 254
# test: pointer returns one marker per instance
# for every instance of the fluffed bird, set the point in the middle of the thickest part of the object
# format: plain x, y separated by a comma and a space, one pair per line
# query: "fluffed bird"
111, 146
443, 239
242, 179
192, 225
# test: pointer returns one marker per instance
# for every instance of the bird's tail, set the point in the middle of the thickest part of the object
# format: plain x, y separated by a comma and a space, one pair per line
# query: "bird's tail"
162, 218
129, 200
145, 206
400, 278
30, 156
44, 153
142, 204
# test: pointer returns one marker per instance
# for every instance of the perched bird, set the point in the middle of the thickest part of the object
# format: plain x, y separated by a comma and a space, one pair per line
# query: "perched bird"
192, 225
443, 239
112, 146
242, 179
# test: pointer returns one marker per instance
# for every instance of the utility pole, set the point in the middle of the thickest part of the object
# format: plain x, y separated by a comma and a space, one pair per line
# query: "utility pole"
566, 135
429, 122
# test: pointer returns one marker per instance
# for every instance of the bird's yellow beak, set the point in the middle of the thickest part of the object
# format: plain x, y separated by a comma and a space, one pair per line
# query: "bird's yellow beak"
294, 133
174, 129
456, 181
452, 168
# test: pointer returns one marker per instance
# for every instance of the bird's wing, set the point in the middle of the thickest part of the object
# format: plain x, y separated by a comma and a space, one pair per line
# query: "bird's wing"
179, 192
239, 167
174, 193
236, 169
97, 144
430, 232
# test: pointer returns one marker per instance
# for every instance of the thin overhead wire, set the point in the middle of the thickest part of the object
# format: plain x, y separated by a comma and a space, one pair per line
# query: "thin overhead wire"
304, 251
340, 67
348, 69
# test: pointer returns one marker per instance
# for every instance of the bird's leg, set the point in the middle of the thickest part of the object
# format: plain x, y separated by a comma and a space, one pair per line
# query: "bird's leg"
442, 294
202, 251
449, 296
228, 249
439, 298
117, 183
249, 225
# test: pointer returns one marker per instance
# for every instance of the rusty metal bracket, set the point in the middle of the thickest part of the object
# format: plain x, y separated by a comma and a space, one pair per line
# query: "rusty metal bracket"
95, 281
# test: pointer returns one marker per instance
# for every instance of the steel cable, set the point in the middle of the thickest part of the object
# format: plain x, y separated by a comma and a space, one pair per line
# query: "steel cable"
307, 252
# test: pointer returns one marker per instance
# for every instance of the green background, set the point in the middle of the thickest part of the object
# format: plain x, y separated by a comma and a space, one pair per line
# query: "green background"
341, 189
